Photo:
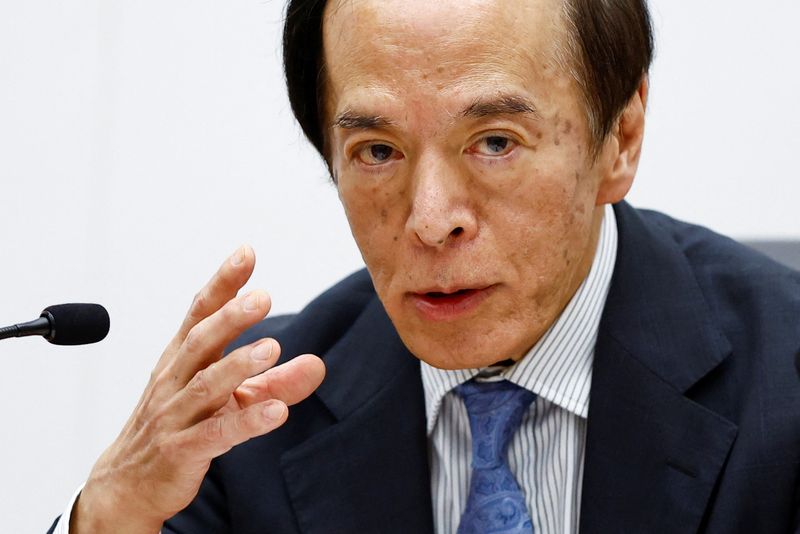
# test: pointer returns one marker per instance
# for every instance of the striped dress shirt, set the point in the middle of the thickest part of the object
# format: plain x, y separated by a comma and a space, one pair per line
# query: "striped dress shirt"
546, 454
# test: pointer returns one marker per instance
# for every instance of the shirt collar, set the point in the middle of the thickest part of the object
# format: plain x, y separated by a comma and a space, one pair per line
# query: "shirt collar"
559, 367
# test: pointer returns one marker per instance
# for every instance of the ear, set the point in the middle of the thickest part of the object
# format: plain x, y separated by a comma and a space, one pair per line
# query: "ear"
625, 146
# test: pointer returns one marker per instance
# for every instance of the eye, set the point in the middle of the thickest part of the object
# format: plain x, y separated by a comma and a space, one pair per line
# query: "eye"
493, 145
377, 153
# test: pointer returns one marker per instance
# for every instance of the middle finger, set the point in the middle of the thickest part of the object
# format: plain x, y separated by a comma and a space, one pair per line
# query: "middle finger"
206, 340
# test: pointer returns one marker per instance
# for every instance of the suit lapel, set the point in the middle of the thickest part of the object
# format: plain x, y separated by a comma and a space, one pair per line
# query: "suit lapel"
369, 472
653, 455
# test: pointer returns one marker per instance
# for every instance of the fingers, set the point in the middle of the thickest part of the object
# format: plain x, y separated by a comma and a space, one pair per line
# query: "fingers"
217, 435
206, 340
290, 382
211, 388
223, 286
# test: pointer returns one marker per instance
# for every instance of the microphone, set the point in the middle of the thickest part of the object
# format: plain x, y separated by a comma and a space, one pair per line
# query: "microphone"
65, 324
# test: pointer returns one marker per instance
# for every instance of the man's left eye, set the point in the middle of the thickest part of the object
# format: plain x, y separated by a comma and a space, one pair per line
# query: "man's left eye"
493, 145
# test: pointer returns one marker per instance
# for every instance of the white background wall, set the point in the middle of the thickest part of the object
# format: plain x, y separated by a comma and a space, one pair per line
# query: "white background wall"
141, 142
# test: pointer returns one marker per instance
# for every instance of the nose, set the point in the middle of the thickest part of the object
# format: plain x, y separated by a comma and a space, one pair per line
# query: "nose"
442, 212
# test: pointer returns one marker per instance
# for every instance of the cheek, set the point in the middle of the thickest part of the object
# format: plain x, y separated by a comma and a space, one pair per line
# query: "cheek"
544, 221
372, 213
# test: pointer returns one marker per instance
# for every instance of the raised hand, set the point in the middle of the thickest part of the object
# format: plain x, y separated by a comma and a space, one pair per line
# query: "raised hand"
195, 407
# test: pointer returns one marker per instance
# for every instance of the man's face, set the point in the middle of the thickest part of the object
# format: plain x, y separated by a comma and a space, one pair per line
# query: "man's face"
460, 147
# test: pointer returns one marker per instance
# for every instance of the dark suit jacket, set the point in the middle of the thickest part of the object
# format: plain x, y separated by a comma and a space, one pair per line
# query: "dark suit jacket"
693, 426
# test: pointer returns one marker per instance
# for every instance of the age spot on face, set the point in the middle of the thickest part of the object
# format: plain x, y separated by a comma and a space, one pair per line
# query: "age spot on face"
567, 126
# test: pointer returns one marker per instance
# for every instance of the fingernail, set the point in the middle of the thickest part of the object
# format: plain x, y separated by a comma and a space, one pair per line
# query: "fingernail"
262, 351
238, 257
273, 411
251, 302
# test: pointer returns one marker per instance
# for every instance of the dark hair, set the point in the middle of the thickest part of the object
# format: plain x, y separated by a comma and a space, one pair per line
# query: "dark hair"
610, 41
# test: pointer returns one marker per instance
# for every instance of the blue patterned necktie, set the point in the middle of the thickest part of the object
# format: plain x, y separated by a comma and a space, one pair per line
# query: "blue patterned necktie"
495, 502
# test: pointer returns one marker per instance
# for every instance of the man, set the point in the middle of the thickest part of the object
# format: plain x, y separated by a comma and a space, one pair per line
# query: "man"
521, 356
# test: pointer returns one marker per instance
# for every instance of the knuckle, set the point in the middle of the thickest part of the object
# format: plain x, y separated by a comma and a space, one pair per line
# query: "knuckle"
199, 303
160, 377
194, 339
213, 430
198, 386
166, 450
156, 421
242, 422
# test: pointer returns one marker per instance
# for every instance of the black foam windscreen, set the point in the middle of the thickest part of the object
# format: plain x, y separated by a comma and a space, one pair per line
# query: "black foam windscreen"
77, 324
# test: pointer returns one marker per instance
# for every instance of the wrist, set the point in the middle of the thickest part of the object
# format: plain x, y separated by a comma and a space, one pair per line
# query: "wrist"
99, 512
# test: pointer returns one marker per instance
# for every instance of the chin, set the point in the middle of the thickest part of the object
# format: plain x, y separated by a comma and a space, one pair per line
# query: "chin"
462, 351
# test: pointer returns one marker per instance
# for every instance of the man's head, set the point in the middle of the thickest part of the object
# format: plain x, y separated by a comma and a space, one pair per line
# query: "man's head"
474, 143
607, 48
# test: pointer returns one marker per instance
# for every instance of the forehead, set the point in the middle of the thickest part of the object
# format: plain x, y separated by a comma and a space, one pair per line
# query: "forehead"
378, 49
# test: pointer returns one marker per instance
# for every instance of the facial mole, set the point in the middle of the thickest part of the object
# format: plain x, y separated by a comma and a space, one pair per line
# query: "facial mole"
440, 69
539, 135
557, 141
567, 126
394, 238
384, 215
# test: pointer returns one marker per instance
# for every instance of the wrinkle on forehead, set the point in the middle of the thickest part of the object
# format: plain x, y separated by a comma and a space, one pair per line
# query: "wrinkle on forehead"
419, 62
442, 41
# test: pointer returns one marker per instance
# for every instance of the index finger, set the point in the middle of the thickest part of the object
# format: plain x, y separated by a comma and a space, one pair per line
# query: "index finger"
231, 276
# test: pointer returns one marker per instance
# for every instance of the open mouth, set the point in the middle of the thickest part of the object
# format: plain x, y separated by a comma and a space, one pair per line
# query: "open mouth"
459, 293
444, 306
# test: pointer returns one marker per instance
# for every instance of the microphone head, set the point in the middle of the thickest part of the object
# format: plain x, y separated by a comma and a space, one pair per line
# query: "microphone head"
76, 324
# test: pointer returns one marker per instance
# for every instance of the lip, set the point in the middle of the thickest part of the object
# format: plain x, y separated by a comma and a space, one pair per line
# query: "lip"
450, 303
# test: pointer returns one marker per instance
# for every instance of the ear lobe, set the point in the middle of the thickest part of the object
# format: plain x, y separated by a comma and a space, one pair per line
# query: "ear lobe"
627, 148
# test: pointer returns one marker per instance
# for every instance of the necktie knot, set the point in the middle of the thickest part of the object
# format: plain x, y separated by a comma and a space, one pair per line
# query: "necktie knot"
495, 411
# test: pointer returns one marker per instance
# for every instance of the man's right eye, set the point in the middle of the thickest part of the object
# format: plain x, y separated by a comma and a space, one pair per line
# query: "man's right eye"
376, 154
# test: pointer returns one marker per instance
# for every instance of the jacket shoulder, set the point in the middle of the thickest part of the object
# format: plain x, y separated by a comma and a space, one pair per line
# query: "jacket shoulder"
756, 303
724, 266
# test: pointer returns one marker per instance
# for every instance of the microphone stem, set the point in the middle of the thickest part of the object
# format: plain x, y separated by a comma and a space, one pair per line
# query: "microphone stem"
9, 331
37, 327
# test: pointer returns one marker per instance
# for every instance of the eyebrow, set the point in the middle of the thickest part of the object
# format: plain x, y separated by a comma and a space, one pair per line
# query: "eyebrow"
502, 105
350, 120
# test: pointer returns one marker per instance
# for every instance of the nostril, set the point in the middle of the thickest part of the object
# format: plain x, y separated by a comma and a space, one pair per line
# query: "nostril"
457, 232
